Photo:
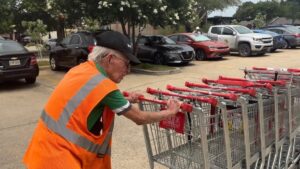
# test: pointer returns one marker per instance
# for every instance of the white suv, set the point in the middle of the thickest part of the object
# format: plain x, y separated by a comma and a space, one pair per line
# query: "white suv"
241, 39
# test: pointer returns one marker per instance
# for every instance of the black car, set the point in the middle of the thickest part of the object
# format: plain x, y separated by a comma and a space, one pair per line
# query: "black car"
72, 50
16, 62
290, 34
160, 49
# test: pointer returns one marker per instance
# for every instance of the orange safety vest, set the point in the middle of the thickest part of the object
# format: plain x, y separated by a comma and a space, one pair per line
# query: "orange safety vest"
61, 139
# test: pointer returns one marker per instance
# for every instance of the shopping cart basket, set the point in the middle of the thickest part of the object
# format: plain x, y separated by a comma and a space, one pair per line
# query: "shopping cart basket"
216, 135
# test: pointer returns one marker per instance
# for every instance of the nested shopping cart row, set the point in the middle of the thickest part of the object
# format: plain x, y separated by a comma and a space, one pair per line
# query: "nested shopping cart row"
231, 123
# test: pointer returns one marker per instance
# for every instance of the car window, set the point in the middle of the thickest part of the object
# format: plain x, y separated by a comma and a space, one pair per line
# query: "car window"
242, 29
199, 38
183, 38
75, 40
142, 40
11, 47
174, 37
216, 30
227, 31
66, 40
277, 31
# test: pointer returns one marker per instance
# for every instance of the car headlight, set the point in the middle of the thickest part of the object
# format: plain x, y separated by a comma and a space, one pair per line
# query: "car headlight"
257, 39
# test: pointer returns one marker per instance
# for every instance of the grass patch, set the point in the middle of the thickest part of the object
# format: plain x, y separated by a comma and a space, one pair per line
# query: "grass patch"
43, 63
152, 67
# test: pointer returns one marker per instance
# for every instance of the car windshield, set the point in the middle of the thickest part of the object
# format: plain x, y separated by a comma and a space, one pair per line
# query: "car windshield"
293, 29
11, 47
199, 38
242, 29
163, 40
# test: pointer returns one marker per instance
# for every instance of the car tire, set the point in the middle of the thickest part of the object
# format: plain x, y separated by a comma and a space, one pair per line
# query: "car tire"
159, 59
30, 80
244, 49
200, 55
53, 64
286, 45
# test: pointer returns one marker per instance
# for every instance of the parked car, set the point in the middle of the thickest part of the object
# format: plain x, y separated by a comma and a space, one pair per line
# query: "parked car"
50, 43
16, 62
241, 39
160, 49
278, 40
72, 50
204, 47
290, 33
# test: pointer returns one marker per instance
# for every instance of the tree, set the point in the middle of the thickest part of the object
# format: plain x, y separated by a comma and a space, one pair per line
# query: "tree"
291, 9
137, 13
6, 19
36, 29
205, 7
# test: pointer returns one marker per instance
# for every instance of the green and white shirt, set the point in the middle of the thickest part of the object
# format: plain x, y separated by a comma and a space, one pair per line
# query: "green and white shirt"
114, 100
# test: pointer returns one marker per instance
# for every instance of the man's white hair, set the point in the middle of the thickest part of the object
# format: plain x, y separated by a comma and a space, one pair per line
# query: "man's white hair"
98, 53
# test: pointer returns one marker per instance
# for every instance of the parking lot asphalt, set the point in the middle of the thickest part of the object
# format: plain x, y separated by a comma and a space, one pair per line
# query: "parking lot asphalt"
21, 105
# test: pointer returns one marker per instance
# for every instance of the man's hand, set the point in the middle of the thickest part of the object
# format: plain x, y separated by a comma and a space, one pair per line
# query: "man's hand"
173, 106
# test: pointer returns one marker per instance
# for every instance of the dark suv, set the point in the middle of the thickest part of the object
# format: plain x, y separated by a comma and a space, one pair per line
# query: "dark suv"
16, 62
72, 50
290, 33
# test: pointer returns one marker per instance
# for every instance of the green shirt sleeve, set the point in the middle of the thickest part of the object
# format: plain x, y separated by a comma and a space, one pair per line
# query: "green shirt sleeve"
115, 101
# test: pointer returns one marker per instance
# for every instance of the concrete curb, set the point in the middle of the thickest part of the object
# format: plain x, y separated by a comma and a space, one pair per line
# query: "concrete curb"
151, 72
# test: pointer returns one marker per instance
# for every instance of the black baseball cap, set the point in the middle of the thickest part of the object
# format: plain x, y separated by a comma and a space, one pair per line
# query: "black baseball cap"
119, 42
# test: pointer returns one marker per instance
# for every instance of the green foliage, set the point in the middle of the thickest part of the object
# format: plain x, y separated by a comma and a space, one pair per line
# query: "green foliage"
35, 29
260, 20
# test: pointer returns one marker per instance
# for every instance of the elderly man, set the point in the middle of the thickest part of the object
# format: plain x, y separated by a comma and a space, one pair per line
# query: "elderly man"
75, 128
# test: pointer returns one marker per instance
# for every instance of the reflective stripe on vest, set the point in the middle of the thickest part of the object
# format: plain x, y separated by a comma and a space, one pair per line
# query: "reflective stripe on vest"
60, 128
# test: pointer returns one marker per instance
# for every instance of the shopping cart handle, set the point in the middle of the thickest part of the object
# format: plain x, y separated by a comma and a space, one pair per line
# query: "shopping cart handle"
231, 78
126, 94
190, 84
292, 70
183, 106
209, 100
238, 83
251, 92
278, 82
230, 96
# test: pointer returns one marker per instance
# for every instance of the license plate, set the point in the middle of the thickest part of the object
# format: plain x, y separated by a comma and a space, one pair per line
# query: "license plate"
14, 62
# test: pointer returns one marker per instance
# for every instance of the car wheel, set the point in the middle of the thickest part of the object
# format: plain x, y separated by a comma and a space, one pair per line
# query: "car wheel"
30, 80
53, 64
159, 59
286, 45
244, 49
200, 55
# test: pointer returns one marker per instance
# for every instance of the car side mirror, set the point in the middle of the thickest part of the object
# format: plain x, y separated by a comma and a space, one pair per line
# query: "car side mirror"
233, 33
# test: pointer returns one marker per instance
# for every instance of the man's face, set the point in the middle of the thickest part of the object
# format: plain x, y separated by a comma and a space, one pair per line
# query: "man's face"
119, 67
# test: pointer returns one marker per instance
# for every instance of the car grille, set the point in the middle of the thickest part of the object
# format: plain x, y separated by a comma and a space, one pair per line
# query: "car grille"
6, 65
222, 47
266, 40
187, 55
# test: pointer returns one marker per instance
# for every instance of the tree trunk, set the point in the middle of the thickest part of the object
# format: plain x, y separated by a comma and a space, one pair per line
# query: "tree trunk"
123, 27
133, 33
60, 27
